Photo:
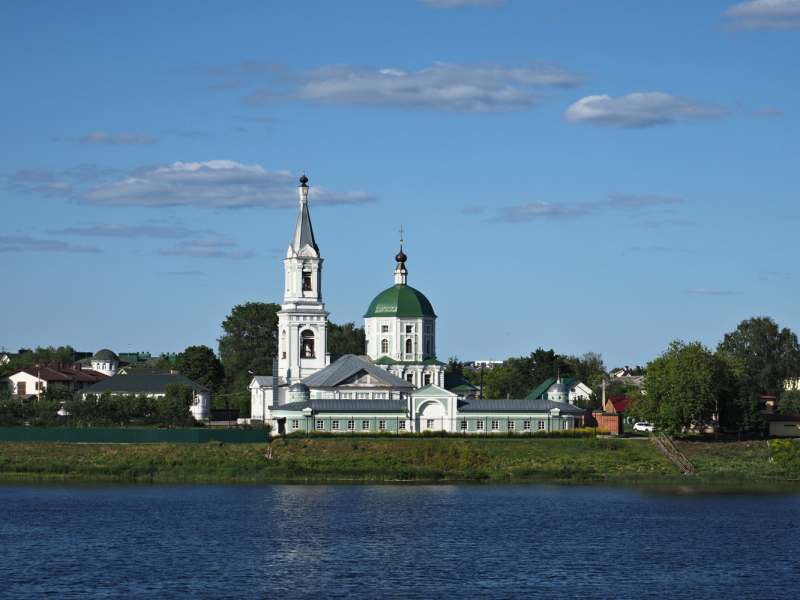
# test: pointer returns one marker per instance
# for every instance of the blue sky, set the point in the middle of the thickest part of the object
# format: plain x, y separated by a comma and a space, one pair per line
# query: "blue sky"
585, 175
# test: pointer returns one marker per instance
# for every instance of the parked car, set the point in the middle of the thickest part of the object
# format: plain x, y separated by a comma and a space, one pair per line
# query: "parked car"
644, 426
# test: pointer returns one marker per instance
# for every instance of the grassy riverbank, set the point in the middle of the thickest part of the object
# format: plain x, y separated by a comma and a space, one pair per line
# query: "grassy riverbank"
371, 459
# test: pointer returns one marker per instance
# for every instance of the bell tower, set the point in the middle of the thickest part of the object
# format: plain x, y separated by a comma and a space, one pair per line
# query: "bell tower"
302, 320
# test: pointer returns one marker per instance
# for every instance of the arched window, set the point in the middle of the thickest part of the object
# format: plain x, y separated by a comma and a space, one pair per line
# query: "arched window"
409, 346
428, 347
283, 343
307, 344
384, 346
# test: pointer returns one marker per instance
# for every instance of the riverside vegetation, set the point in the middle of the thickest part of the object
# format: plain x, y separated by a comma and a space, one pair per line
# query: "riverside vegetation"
398, 459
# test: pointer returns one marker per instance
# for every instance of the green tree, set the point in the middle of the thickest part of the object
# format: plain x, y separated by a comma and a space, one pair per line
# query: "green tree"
201, 365
518, 377
761, 357
174, 407
249, 343
789, 402
346, 339
454, 366
683, 387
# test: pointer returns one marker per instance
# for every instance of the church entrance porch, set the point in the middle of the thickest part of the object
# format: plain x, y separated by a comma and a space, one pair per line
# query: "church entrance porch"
431, 417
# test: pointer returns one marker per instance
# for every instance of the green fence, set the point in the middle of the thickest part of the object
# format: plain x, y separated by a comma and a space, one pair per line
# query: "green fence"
132, 436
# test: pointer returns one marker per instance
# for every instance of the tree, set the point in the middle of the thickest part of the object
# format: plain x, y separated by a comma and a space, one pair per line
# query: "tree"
174, 407
454, 366
346, 339
683, 387
518, 377
761, 357
201, 365
768, 355
249, 342
789, 403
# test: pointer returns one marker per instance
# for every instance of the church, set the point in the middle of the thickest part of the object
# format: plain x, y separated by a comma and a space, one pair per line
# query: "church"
398, 385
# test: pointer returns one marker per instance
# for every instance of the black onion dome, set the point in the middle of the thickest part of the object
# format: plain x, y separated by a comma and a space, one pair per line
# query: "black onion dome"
401, 257
304, 179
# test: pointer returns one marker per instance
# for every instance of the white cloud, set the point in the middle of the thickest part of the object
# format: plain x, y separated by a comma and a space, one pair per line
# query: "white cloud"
764, 14
769, 111
708, 292
118, 139
57, 188
33, 175
20, 243
617, 200
131, 231
473, 209
216, 183
444, 87
205, 248
541, 210
641, 110
461, 3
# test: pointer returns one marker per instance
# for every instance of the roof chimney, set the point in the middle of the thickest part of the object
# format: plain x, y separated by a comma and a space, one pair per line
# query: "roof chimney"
77, 366
55, 366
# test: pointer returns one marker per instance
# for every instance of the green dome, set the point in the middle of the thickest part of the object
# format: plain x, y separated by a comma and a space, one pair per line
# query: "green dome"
106, 355
400, 301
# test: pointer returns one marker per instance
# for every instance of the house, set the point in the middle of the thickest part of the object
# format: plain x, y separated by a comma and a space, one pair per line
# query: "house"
575, 392
617, 404
154, 385
24, 382
477, 365
783, 425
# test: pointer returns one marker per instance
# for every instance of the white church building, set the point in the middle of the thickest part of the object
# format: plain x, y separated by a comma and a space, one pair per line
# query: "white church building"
397, 386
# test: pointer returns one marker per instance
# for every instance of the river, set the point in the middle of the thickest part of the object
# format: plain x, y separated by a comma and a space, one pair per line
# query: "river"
395, 541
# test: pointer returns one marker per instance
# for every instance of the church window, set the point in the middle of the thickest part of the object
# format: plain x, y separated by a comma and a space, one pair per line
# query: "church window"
379, 396
410, 377
295, 424
351, 425
346, 395
283, 343
363, 396
430, 424
335, 425
382, 425
428, 347
409, 329
306, 281
541, 425
365, 425
512, 425
427, 378
401, 425
479, 425
384, 346
463, 425
526, 425
428, 328
409, 346
384, 329
320, 425
495, 425
307, 344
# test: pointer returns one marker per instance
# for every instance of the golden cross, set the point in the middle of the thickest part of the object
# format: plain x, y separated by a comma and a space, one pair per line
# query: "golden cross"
401, 235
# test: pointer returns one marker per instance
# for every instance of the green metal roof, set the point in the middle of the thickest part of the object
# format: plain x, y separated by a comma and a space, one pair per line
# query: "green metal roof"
385, 360
400, 300
106, 355
456, 383
135, 384
539, 391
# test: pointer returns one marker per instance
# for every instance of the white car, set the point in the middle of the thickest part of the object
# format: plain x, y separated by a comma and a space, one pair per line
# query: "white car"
643, 426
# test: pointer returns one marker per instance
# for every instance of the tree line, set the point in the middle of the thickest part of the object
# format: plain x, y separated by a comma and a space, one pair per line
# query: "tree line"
171, 410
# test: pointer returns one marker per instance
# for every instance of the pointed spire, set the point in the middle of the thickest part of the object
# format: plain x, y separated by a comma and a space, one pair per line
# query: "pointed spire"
303, 232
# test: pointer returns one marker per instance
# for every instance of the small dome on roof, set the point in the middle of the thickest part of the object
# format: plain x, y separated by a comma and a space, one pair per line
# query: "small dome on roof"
299, 387
557, 388
106, 355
